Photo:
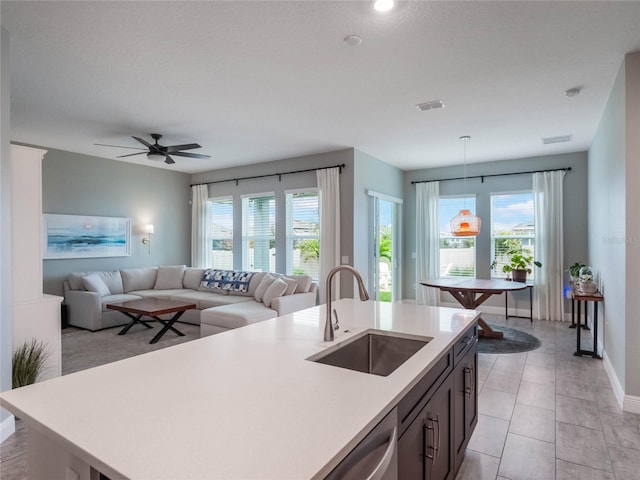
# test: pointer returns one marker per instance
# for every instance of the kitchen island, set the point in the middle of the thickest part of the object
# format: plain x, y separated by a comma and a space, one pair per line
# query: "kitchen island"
244, 404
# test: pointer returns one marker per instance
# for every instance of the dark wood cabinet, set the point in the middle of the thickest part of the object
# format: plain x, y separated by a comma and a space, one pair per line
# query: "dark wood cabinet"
465, 411
424, 451
433, 440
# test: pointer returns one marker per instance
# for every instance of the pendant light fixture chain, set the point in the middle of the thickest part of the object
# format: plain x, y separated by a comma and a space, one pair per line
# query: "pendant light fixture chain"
465, 224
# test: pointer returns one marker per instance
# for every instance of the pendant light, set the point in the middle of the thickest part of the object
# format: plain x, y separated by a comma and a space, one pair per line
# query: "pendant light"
465, 224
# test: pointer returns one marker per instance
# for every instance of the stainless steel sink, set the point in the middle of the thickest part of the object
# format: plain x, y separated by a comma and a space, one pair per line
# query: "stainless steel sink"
378, 353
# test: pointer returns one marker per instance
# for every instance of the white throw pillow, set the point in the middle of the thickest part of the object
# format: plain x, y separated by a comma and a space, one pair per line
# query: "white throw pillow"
276, 289
169, 277
291, 285
94, 283
265, 283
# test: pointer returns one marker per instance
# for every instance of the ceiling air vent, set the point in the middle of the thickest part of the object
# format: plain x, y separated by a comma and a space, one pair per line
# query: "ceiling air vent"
423, 107
560, 139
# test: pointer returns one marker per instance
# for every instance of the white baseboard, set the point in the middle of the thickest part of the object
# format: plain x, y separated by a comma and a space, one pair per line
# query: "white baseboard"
7, 428
618, 391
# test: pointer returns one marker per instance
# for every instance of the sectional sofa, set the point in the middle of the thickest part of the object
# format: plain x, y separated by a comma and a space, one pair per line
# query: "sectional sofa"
224, 299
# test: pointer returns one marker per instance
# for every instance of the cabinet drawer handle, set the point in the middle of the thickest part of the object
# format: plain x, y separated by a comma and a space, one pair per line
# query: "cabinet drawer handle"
435, 422
468, 387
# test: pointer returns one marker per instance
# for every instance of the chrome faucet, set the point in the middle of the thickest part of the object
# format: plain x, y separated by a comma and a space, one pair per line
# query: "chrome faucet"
328, 326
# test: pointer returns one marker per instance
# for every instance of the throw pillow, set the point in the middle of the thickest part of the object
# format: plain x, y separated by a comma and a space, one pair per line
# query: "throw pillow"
291, 285
265, 283
94, 283
276, 289
169, 277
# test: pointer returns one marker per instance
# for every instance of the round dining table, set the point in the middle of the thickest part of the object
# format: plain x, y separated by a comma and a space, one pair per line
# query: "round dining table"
473, 292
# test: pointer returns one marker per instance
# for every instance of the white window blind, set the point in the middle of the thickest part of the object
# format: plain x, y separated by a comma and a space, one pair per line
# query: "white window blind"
512, 226
221, 232
303, 233
258, 232
457, 254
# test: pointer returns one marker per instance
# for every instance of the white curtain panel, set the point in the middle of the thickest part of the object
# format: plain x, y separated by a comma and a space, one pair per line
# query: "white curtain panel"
548, 300
200, 252
329, 191
427, 241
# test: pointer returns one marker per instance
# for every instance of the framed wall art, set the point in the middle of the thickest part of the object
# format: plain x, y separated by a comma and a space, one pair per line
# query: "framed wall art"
83, 236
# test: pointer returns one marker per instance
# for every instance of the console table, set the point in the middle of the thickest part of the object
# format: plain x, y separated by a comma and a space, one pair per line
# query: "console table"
579, 297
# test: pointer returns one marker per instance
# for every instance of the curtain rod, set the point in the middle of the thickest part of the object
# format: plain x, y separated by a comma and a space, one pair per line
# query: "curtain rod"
482, 177
279, 175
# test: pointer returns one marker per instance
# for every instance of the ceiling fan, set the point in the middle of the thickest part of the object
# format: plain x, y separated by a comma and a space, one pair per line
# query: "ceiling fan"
159, 152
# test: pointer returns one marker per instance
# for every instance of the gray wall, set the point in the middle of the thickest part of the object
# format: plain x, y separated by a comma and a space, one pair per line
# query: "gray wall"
614, 235
6, 300
370, 174
279, 187
575, 208
84, 185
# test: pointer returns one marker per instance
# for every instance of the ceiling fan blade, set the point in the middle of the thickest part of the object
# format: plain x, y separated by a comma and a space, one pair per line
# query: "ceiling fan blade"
190, 155
118, 146
177, 148
169, 160
144, 142
132, 154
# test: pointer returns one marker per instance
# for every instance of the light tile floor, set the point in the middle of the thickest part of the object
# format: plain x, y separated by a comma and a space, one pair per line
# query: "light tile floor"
547, 414
544, 414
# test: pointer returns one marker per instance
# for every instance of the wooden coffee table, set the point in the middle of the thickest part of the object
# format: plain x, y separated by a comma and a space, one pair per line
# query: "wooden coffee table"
153, 308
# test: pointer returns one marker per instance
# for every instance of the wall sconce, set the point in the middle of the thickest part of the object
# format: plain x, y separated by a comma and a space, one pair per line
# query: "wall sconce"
148, 229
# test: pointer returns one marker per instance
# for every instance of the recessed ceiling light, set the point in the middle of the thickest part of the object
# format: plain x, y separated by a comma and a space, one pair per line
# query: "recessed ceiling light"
559, 139
423, 107
352, 40
383, 5
572, 92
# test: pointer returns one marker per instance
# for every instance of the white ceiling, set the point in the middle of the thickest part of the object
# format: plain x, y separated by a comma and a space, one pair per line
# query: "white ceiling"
260, 81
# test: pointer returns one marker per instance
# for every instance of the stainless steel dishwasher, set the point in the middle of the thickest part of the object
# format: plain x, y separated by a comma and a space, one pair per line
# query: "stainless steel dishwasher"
375, 457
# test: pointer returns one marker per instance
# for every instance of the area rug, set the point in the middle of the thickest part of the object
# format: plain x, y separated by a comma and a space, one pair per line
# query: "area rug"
514, 341
82, 349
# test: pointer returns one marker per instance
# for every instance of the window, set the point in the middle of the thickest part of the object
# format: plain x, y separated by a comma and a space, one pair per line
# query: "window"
303, 233
512, 226
221, 232
457, 254
258, 232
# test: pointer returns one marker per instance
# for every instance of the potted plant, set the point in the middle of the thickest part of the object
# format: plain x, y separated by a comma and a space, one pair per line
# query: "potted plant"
574, 272
28, 362
587, 283
520, 264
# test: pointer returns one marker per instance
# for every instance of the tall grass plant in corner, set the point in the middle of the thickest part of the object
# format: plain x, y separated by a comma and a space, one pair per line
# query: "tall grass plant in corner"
28, 362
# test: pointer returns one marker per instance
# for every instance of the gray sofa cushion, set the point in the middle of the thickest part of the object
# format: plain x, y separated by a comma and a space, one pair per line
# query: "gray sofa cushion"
304, 282
192, 278
112, 280
262, 287
169, 277
276, 289
94, 283
139, 278
239, 315
154, 293
223, 300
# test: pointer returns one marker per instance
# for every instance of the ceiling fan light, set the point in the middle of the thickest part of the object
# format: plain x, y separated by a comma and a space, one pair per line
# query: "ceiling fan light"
465, 224
156, 157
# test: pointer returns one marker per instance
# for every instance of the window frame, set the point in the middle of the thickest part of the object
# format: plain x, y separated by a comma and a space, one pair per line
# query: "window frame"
497, 273
462, 198
289, 237
210, 238
246, 239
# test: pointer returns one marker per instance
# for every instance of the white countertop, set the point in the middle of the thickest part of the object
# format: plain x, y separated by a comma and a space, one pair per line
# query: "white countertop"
243, 404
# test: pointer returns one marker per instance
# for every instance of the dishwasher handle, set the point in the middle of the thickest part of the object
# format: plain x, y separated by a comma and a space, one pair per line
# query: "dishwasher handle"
383, 467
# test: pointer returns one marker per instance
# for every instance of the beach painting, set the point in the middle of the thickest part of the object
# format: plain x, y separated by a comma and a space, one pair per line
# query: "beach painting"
83, 236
